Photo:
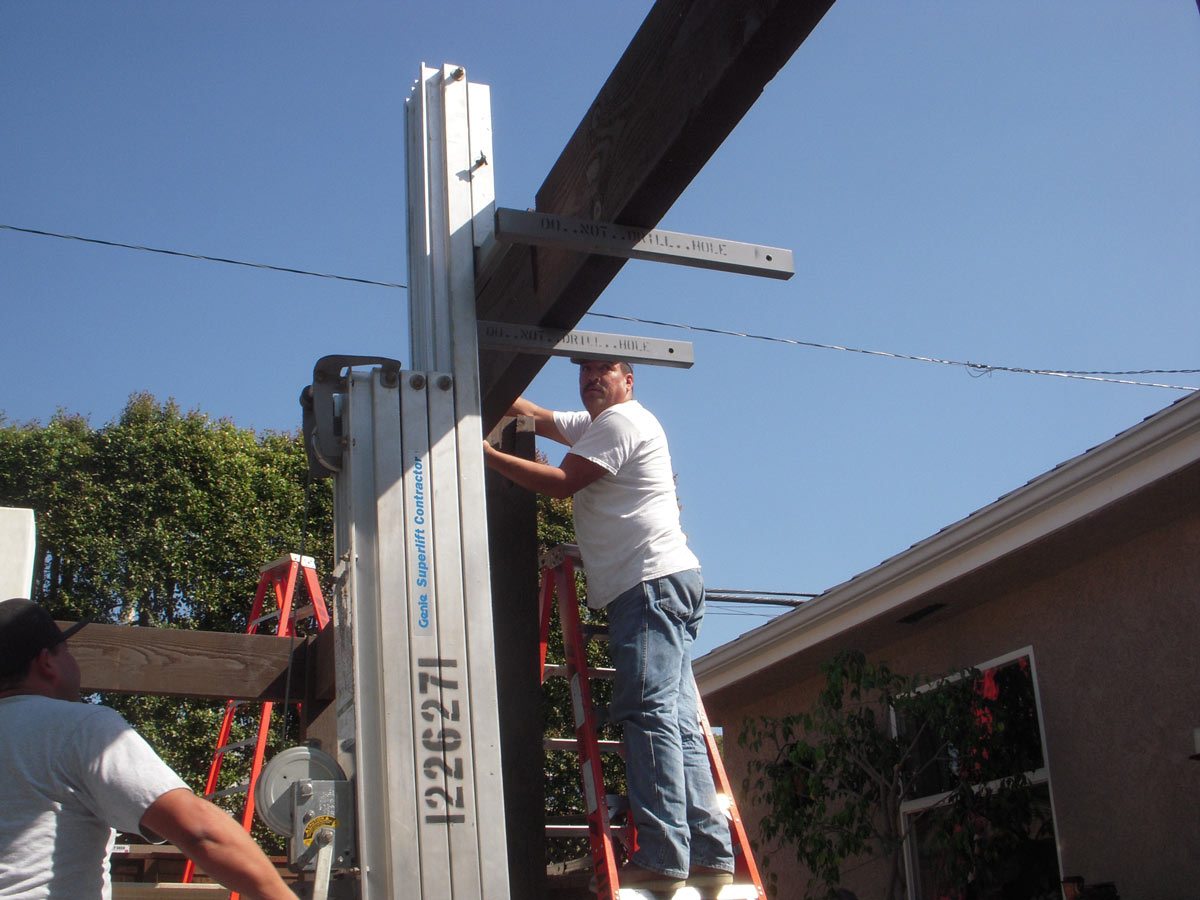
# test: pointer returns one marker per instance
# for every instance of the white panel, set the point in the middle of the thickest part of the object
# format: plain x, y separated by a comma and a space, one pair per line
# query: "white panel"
18, 538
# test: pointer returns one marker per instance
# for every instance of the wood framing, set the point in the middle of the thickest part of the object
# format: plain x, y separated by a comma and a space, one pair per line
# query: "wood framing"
688, 77
209, 664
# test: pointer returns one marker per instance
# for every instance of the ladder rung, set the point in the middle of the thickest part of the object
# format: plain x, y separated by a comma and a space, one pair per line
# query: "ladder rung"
240, 788
303, 613
573, 831
249, 742
573, 744
559, 670
594, 632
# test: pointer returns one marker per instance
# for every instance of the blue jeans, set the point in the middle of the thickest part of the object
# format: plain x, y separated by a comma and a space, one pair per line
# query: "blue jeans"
651, 630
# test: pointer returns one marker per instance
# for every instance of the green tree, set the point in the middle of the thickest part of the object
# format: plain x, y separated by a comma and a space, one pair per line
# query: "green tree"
832, 779
161, 518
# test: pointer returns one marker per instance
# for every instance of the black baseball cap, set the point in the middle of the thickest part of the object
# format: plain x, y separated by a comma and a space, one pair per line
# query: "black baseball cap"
26, 629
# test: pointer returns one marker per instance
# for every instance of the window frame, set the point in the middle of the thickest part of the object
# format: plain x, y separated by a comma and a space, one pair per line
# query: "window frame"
1041, 775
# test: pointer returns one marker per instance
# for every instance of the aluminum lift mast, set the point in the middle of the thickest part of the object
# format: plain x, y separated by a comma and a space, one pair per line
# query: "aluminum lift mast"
418, 729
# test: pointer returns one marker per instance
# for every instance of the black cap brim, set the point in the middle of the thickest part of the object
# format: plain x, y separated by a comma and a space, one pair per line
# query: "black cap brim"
67, 632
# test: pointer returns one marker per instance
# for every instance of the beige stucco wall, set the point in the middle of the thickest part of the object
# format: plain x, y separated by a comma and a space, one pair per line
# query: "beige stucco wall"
1116, 640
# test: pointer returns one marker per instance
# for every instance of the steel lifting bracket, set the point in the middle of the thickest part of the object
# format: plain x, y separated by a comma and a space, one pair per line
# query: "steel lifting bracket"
321, 422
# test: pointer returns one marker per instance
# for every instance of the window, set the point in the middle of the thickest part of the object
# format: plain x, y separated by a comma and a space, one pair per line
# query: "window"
977, 812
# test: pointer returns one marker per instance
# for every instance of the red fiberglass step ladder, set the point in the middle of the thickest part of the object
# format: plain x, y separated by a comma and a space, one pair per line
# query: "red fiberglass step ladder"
558, 582
280, 577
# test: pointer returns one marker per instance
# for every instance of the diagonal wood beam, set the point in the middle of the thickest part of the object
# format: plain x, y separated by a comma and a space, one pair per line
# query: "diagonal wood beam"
687, 78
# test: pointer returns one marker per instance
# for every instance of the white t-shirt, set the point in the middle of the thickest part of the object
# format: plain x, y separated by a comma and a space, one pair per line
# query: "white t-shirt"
69, 773
627, 522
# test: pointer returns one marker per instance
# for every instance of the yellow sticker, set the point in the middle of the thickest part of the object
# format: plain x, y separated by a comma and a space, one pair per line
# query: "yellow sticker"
312, 826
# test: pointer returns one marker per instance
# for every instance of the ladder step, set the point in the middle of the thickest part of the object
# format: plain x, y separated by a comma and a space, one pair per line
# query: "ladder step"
303, 612
240, 788
574, 830
560, 671
249, 742
572, 744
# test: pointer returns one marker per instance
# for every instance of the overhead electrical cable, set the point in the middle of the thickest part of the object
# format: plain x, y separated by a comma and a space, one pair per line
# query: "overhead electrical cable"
974, 368
200, 256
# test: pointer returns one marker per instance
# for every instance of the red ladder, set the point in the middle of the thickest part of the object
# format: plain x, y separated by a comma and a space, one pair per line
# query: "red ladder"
281, 576
558, 583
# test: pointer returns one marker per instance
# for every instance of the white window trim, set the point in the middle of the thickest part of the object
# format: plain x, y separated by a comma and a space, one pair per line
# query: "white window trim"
1038, 776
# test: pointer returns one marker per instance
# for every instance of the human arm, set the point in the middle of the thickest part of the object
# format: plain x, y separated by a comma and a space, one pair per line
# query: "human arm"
543, 419
209, 837
572, 475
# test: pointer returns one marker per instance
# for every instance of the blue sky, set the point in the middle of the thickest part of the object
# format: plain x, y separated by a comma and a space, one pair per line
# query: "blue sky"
1008, 184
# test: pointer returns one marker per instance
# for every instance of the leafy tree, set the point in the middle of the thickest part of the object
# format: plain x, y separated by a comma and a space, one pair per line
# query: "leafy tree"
832, 779
161, 518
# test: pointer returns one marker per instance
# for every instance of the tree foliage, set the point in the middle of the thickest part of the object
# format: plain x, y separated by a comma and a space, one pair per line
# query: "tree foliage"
832, 779
161, 518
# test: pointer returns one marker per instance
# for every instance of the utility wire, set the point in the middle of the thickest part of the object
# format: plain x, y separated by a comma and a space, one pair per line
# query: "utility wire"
974, 368
763, 598
216, 259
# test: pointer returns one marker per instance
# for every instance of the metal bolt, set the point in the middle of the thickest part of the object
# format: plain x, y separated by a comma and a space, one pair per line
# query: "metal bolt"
417, 382
445, 382
325, 837
458, 74
389, 378
309, 816
305, 790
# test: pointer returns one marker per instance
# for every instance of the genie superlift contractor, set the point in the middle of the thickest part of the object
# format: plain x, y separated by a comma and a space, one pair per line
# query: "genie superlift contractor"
417, 713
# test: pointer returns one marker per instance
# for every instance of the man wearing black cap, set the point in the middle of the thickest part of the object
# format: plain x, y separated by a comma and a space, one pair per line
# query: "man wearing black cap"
70, 772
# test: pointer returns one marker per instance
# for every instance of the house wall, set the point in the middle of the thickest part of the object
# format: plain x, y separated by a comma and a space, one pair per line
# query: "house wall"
1115, 639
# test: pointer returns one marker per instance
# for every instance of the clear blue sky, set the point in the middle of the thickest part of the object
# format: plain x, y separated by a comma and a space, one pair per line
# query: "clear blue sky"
1011, 184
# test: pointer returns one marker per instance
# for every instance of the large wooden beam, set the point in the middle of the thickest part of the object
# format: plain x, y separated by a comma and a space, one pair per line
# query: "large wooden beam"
196, 663
687, 78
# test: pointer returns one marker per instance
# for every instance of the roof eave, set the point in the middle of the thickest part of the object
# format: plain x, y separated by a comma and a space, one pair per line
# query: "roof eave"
1154, 448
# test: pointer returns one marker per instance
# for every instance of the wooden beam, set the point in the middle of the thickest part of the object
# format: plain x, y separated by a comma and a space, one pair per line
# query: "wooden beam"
210, 664
688, 77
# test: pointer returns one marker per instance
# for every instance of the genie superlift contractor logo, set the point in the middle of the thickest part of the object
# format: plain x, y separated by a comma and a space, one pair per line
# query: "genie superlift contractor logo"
420, 544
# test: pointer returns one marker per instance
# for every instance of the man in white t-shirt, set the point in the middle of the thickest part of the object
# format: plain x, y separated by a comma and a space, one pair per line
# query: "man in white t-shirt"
640, 569
71, 771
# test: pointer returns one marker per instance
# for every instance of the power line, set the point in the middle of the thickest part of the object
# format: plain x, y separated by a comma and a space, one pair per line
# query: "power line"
200, 256
762, 598
976, 369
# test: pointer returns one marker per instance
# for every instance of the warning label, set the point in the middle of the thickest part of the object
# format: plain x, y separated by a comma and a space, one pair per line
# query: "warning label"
312, 826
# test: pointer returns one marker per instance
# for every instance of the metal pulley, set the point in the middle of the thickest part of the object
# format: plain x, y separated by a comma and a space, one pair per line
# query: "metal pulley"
303, 794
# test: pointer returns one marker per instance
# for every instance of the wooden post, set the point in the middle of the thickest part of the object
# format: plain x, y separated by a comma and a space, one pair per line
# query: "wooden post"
512, 544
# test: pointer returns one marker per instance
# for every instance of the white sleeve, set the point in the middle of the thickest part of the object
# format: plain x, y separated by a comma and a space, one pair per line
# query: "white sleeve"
609, 441
124, 776
572, 425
